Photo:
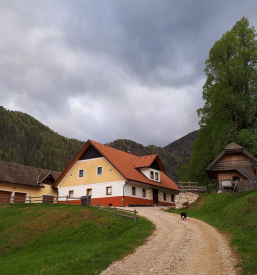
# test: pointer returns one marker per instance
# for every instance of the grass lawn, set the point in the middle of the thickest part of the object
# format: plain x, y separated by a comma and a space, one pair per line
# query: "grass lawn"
64, 239
235, 215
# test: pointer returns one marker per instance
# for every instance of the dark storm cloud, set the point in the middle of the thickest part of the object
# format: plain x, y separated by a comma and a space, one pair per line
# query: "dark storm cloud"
112, 69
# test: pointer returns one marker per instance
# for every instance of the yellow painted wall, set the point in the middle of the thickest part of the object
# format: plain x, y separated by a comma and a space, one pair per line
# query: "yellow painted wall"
30, 190
90, 173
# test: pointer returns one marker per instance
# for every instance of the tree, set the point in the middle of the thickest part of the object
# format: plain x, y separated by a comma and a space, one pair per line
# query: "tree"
230, 94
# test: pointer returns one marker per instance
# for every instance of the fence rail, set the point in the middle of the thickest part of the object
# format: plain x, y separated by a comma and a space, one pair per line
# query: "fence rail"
67, 200
247, 185
191, 187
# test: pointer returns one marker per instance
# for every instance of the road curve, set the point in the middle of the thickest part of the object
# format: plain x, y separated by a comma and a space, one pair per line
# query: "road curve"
178, 247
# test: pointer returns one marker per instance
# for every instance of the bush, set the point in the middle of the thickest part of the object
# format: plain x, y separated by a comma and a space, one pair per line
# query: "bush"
210, 188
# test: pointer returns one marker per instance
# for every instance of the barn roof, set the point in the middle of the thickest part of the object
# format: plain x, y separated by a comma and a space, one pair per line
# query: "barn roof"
22, 174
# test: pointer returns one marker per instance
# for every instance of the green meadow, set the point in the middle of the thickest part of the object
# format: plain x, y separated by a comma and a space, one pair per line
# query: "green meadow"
65, 239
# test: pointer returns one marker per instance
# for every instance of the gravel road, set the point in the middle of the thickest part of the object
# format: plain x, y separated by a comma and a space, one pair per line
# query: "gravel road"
189, 247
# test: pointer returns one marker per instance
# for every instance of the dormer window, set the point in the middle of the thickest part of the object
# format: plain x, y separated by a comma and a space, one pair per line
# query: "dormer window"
152, 175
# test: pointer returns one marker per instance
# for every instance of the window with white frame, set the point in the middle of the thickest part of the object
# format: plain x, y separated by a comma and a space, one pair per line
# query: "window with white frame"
164, 196
151, 175
81, 173
156, 176
143, 193
99, 170
133, 191
71, 194
108, 190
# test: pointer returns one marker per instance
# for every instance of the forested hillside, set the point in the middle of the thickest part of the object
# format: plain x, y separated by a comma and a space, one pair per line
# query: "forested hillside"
183, 147
170, 162
24, 140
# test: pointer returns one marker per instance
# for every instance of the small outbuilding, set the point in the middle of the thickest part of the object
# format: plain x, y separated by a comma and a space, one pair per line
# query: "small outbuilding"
232, 165
20, 182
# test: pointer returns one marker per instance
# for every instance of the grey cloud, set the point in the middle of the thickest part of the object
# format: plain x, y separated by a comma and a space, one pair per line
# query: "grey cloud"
112, 69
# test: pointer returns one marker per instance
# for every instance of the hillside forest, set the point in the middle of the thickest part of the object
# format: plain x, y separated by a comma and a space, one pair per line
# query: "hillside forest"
25, 140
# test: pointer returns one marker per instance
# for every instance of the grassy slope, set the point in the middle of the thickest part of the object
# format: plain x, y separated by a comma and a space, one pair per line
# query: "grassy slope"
235, 215
64, 239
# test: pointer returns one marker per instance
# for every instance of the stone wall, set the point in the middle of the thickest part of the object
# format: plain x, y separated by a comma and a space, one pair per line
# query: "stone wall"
185, 197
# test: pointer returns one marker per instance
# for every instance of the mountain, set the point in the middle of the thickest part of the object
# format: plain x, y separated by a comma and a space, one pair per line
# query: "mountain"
25, 140
183, 147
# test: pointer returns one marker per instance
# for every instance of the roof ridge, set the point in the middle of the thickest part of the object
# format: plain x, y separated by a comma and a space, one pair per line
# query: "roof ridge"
233, 146
92, 141
12, 163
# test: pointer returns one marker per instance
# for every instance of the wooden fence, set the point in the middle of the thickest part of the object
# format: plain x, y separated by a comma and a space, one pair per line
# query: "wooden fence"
191, 187
85, 200
247, 185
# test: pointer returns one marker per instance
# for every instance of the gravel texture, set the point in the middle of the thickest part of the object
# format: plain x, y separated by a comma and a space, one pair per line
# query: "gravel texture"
189, 247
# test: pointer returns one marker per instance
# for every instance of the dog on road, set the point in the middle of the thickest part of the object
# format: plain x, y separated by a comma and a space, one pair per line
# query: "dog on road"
183, 216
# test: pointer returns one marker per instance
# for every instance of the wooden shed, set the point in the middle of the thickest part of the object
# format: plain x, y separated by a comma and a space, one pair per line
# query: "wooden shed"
233, 164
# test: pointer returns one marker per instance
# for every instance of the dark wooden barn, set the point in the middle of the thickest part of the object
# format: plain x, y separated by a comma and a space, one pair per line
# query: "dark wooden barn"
233, 164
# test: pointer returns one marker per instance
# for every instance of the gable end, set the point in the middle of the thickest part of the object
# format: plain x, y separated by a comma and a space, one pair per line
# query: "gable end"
90, 153
155, 165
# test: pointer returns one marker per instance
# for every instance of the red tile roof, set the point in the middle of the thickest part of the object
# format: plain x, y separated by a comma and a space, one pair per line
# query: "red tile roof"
144, 161
126, 164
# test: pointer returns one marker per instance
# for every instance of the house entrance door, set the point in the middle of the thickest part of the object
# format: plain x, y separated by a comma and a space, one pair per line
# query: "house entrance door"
155, 196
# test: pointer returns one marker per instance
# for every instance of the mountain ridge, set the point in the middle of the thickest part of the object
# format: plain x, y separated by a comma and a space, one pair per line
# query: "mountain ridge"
25, 140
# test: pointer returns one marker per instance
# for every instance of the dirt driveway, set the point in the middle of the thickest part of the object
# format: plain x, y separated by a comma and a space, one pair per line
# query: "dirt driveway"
189, 247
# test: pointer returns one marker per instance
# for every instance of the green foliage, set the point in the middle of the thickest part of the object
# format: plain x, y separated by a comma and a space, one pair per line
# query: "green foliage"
24, 140
210, 188
65, 239
234, 215
230, 94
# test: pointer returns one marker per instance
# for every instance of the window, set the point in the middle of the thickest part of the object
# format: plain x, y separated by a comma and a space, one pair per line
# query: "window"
108, 190
143, 193
156, 176
164, 196
71, 194
81, 173
89, 192
133, 191
99, 170
151, 174
172, 197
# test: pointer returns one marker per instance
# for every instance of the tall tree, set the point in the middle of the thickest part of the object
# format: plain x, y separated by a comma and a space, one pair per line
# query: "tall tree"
230, 94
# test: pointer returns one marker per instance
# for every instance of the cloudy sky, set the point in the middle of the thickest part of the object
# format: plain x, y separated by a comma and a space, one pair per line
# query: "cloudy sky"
112, 69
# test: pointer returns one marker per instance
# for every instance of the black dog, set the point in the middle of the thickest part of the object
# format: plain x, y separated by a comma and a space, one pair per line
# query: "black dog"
183, 216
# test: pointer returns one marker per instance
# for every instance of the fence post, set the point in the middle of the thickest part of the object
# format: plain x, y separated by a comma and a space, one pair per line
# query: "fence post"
57, 199
46, 198
114, 210
29, 199
67, 199
98, 207
135, 215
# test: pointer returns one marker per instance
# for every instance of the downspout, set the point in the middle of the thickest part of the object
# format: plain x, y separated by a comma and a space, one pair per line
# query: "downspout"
126, 182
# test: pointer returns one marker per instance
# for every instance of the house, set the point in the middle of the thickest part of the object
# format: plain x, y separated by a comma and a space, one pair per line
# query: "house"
233, 164
19, 182
116, 178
